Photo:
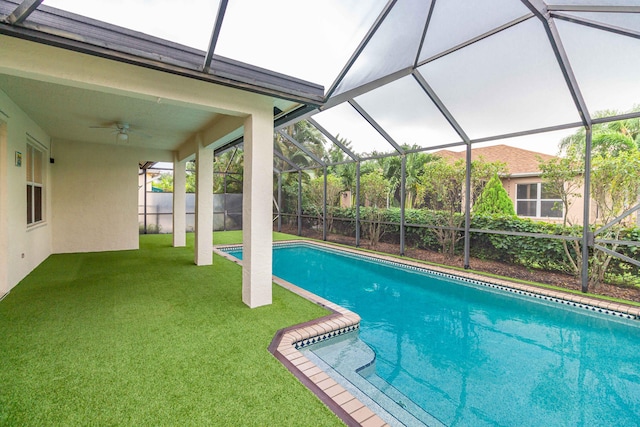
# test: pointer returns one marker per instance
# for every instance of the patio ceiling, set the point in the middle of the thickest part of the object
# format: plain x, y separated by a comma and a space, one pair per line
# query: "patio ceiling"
424, 73
153, 124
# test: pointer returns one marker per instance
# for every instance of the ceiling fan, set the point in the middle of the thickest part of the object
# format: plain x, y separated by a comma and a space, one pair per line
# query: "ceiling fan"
121, 131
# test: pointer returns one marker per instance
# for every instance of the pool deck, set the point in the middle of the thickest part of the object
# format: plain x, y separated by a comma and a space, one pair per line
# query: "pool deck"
352, 411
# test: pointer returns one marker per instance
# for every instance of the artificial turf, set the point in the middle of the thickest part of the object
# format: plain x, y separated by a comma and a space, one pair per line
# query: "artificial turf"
145, 337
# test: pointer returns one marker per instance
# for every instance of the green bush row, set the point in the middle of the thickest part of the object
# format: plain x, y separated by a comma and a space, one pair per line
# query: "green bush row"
532, 252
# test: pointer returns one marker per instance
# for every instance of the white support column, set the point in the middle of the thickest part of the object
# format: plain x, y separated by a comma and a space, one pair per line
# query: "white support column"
179, 202
256, 208
204, 204
4, 203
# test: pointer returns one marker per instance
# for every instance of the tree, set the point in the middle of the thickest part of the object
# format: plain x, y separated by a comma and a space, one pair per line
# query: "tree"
415, 170
191, 177
564, 176
374, 189
313, 193
615, 188
313, 141
441, 187
481, 172
392, 169
615, 184
308, 136
607, 138
228, 168
165, 183
346, 172
494, 200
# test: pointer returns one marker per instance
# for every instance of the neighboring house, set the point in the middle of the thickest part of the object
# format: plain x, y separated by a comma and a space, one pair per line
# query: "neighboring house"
524, 182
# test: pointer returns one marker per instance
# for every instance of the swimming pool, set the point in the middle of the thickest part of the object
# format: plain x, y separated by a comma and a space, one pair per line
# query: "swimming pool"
470, 354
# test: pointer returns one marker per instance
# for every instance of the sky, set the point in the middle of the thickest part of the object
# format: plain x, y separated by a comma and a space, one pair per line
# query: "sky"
330, 32
515, 72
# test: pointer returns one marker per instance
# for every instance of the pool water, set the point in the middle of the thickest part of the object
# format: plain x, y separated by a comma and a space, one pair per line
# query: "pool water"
471, 355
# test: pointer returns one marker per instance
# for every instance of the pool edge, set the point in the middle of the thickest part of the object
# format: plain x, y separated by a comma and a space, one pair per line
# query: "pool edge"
287, 341
561, 296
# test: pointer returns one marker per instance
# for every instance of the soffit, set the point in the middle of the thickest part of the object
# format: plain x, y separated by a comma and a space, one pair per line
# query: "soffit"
68, 113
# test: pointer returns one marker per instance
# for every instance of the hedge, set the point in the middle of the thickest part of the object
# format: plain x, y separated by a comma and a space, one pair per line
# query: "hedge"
532, 252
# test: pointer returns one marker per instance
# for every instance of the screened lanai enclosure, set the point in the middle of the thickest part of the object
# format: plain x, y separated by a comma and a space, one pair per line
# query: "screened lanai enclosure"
439, 96
507, 130
155, 194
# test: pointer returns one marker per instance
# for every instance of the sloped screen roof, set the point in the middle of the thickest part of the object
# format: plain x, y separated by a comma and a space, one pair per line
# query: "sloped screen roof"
421, 73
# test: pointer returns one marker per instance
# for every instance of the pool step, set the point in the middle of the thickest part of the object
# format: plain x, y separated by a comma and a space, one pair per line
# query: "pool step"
351, 363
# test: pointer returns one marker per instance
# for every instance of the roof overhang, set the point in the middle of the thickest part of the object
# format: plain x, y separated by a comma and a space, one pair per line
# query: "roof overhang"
62, 29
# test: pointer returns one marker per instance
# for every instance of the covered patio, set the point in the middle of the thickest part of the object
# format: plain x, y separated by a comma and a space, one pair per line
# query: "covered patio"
92, 113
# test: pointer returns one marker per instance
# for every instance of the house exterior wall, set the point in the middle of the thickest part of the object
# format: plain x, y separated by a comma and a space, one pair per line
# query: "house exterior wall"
575, 214
22, 248
95, 201
95, 198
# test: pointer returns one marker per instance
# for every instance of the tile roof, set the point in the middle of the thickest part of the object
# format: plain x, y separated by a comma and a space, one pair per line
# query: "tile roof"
518, 160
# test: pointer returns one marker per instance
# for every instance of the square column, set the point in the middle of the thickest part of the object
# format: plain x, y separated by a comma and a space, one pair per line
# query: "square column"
204, 205
4, 203
256, 208
179, 202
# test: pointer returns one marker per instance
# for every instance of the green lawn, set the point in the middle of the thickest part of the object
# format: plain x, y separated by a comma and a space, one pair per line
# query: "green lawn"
147, 338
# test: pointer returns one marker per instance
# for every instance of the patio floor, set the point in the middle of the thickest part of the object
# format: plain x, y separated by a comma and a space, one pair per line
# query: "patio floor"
145, 338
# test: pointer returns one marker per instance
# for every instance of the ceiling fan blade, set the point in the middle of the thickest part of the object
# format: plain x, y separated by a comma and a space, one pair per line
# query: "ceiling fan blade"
138, 133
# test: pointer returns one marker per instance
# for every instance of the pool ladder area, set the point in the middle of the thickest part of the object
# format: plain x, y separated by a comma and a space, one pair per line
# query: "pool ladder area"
352, 364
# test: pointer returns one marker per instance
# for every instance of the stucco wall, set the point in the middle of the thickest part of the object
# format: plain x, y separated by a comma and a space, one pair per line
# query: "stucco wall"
22, 248
575, 214
95, 197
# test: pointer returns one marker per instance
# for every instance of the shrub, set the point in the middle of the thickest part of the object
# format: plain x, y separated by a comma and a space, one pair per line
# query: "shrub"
494, 200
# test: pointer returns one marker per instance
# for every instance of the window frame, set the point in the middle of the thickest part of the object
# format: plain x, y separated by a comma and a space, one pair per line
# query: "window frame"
35, 185
538, 202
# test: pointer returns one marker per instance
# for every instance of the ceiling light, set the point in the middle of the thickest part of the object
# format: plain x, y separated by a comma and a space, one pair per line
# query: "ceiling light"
122, 137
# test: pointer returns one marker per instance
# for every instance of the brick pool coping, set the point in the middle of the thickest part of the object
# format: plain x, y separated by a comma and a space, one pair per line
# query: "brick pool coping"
352, 411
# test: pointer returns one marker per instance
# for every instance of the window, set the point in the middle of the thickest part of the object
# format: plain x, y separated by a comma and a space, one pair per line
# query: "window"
35, 189
537, 200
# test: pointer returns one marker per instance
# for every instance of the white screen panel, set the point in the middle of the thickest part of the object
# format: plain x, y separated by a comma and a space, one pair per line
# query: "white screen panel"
393, 47
457, 21
605, 65
311, 40
343, 121
629, 21
408, 115
506, 83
